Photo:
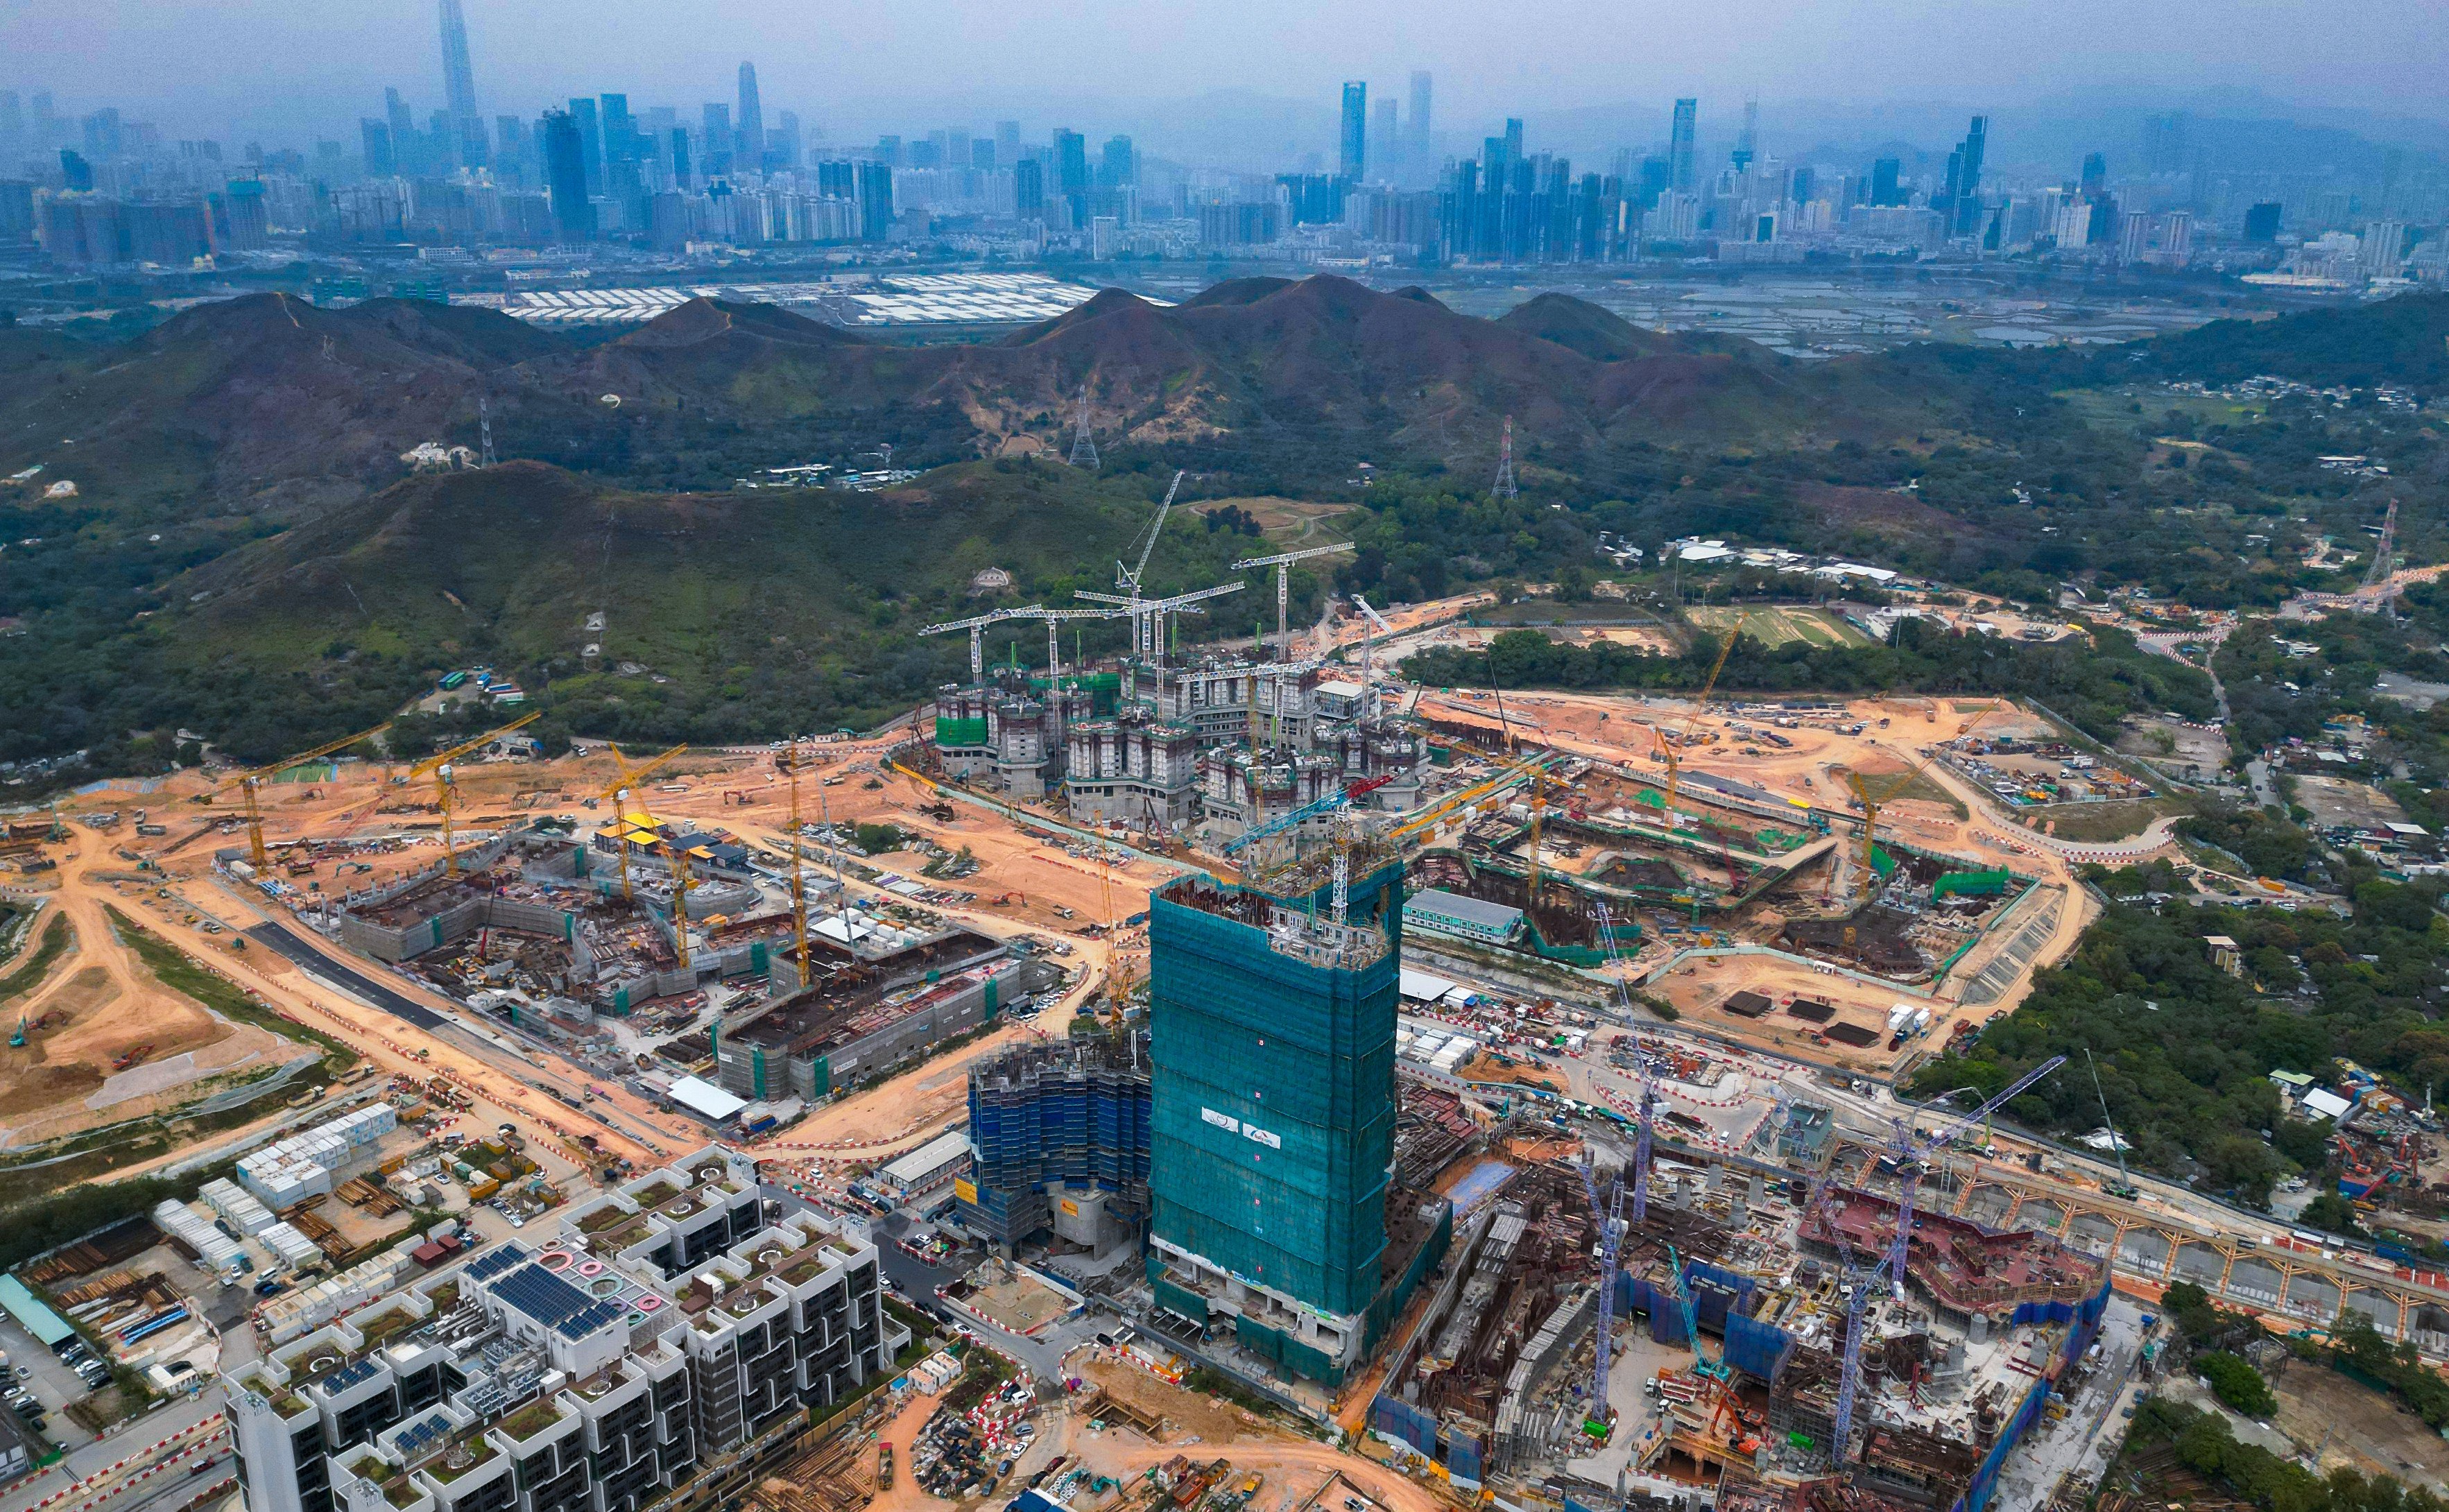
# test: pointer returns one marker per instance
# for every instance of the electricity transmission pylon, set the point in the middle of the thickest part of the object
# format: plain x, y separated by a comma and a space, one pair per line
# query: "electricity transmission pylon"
1084, 451
1503, 487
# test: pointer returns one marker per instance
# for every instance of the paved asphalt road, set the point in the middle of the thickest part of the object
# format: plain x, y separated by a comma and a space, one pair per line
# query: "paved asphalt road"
323, 968
132, 1438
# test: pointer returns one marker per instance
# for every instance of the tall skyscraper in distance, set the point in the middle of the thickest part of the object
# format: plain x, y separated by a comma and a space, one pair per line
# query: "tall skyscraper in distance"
1386, 130
1747, 141
1007, 141
2262, 223
459, 87
1423, 153
590, 141
1885, 188
620, 129
377, 136
1353, 160
1513, 139
1029, 189
1119, 164
2096, 173
1680, 143
714, 140
1964, 179
404, 154
680, 178
1072, 176
565, 171
752, 122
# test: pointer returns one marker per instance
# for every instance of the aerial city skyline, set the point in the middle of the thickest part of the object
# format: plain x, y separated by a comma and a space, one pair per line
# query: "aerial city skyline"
1223, 757
1395, 183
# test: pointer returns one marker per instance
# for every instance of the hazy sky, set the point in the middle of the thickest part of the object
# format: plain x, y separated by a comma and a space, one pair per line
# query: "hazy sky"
284, 67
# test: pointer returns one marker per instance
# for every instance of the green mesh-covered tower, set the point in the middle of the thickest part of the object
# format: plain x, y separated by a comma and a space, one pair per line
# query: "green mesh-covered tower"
1273, 1122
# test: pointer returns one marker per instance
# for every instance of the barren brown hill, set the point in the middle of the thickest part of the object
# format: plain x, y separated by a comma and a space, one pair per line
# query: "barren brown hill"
1322, 367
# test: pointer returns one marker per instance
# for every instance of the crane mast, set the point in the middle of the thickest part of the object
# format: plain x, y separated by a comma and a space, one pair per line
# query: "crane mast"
446, 779
1648, 1105
1912, 1150
1850, 1377
799, 882
1375, 623
1608, 1218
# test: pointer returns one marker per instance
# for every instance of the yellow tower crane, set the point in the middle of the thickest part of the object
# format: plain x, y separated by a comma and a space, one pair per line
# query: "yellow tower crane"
1877, 795
1444, 807
1671, 751
618, 795
446, 779
247, 782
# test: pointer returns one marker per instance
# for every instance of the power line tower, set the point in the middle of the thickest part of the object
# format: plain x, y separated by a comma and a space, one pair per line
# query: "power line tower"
2379, 573
1503, 487
1084, 451
483, 431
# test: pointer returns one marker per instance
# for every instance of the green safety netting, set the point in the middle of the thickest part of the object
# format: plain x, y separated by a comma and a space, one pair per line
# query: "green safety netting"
960, 731
1969, 884
1650, 796
1883, 862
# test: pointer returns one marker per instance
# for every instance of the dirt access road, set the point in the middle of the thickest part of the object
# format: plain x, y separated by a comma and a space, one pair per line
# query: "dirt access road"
103, 1001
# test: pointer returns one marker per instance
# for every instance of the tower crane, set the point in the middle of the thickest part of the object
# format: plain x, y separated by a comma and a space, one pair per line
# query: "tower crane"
1911, 1150
1876, 796
446, 779
975, 625
1671, 751
1128, 577
1369, 630
1701, 1364
1609, 1218
1863, 1286
1282, 562
1147, 614
618, 796
1646, 1109
247, 782
792, 762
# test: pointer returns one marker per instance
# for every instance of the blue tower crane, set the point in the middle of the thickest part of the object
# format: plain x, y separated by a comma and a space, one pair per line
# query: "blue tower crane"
1911, 1150
1648, 1105
1609, 1219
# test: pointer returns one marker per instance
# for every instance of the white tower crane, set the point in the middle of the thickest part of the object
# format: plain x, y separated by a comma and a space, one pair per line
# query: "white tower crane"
1282, 562
975, 625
